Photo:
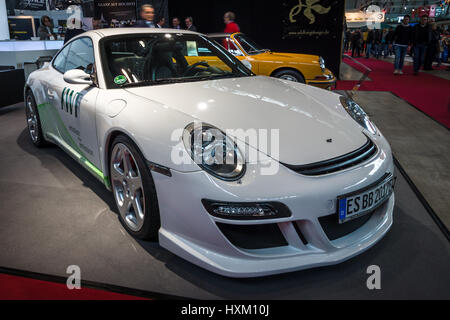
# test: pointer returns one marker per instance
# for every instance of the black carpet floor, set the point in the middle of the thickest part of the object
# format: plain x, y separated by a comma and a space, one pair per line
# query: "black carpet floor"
54, 214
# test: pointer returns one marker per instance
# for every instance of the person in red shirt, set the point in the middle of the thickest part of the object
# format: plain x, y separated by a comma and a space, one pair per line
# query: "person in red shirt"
231, 26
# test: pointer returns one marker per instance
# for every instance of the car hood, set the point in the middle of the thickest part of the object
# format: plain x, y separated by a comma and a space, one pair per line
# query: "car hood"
277, 56
311, 122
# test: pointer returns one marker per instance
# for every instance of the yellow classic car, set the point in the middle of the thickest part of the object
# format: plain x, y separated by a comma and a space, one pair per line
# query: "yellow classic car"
304, 68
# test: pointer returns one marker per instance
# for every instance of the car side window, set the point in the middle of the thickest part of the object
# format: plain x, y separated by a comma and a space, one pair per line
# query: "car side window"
60, 61
81, 55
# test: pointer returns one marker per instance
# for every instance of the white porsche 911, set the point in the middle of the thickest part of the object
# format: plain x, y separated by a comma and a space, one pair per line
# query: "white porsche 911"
240, 174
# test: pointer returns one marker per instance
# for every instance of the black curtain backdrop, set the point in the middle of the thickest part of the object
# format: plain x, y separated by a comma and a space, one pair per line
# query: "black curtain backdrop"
268, 22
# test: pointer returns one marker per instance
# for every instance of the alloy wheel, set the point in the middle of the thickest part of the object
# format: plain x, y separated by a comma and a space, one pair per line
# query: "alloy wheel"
127, 187
289, 77
31, 119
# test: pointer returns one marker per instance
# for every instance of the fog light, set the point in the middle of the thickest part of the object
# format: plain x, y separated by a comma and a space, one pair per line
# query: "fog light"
246, 211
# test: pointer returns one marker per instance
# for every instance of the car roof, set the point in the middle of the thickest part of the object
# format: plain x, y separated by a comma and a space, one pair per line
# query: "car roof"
221, 34
119, 31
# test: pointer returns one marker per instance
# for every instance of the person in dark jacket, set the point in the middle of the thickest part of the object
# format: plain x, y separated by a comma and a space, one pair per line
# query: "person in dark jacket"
45, 30
377, 38
161, 23
189, 21
389, 41
147, 17
421, 38
401, 41
356, 43
433, 48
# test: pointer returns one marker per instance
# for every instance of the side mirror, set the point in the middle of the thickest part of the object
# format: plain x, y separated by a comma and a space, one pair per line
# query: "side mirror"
247, 64
77, 76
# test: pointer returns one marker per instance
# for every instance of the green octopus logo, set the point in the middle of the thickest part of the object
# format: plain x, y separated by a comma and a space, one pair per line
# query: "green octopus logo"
310, 6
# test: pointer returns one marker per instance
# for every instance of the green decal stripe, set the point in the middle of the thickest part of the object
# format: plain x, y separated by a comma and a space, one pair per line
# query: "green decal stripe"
62, 98
71, 145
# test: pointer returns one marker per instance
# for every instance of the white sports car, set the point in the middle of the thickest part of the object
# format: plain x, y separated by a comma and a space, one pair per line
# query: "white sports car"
240, 174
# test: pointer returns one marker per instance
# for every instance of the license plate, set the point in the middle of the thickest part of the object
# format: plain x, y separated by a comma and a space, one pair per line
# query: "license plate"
362, 202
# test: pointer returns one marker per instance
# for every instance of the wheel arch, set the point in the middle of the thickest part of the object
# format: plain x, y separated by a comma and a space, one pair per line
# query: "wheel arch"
110, 137
287, 69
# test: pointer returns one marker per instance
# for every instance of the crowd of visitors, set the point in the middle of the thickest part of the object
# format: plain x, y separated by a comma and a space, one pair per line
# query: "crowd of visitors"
425, 42
147, 19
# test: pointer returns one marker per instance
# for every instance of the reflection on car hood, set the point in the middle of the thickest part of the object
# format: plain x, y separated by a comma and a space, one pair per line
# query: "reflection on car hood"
306, 117
276, 56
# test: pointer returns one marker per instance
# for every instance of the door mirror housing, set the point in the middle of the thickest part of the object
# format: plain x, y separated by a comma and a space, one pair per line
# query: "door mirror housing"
247, 64
77, 76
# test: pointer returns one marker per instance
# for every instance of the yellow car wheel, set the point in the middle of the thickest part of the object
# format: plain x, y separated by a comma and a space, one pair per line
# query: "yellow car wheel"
290, 75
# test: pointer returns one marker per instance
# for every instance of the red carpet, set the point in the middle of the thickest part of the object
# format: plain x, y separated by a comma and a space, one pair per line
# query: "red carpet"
20, 288
426, 92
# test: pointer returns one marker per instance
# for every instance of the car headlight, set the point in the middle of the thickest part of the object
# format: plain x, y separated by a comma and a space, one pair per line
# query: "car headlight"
322, 63
214, 152
358, 114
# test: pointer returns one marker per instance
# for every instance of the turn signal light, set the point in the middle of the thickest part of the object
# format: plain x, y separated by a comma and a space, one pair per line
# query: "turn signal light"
246, 211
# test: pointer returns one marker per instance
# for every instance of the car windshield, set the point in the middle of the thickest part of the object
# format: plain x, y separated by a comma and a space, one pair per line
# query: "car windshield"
248, 44
148, 59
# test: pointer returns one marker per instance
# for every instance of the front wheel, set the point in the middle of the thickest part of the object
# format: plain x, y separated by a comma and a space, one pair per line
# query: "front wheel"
290, 75
134, 190
33, 121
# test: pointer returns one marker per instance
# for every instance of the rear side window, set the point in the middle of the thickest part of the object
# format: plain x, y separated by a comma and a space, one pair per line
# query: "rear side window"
60, 61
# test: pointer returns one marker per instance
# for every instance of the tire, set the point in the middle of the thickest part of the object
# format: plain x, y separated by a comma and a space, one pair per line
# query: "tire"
134, 190
290, 75
34, 121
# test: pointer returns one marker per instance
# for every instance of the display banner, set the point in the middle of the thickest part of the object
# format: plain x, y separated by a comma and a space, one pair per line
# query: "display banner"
31, 5
120, 10
310, 19
297, 26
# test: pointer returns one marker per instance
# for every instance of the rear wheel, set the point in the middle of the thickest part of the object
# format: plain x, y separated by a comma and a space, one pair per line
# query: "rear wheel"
134, 190
290, 75
33, 121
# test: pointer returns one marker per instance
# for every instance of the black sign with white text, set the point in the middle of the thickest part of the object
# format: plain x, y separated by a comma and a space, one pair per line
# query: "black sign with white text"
120, 10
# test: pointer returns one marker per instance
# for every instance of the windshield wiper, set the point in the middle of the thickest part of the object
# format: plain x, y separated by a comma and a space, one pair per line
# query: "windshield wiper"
176, 80
258, 51
150, 82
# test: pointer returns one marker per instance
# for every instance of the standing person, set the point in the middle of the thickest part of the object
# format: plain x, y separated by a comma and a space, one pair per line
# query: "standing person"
389, 41
176, 24
348, 36
384, 43
377, 42
231, 26
356, 43
421, 38
370, 42
161, 22
45, 31
189, 21
401, 41
147, 17
433, 48
363, 40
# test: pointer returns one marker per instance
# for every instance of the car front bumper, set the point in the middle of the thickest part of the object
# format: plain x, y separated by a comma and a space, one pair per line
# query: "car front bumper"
324, 84
190, 232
